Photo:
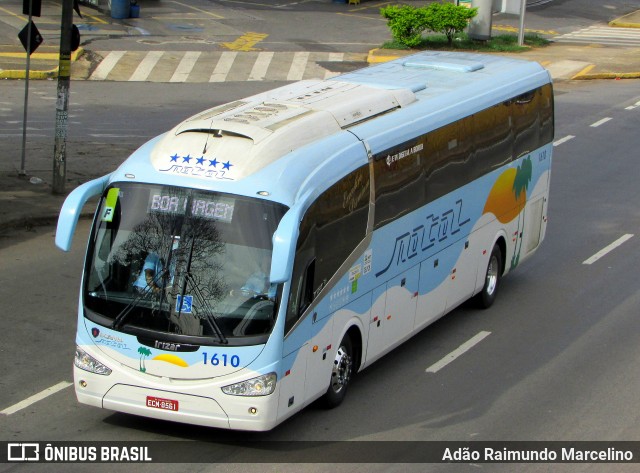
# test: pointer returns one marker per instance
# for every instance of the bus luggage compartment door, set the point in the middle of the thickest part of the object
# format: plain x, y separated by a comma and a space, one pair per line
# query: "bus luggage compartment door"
393, 312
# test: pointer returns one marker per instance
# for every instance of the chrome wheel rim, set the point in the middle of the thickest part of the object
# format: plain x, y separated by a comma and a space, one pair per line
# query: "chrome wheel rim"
492, 276
341, 372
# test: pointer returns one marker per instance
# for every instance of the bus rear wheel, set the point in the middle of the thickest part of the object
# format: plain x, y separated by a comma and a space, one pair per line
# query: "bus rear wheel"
487, 296
341, 373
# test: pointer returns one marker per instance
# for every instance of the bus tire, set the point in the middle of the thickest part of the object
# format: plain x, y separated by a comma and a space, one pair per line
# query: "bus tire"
487, 296
341, 373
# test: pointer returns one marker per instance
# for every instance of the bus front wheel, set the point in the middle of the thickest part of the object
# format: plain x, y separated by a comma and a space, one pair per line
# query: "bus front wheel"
487, 296
341, 372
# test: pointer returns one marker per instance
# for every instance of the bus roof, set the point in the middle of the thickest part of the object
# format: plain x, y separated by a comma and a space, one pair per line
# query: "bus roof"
275, 141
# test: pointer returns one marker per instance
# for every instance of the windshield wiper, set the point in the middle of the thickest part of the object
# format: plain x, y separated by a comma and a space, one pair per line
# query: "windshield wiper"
144, 292
209, 314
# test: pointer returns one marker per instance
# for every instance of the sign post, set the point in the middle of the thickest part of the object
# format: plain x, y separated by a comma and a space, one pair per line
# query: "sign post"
30, 39
523, 8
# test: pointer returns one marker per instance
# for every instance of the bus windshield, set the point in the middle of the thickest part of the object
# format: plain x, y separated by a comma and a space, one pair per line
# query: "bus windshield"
182, 264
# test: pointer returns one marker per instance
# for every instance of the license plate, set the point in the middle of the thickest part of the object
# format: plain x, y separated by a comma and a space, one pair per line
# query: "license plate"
159, 403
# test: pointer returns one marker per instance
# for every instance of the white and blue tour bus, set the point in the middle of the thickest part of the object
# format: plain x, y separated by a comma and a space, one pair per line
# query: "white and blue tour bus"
255, 257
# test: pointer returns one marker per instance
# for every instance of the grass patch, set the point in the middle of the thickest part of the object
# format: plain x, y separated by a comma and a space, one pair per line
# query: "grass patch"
500, 43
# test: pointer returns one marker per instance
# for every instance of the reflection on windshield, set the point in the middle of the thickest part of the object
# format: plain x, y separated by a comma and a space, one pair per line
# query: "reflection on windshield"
186, 262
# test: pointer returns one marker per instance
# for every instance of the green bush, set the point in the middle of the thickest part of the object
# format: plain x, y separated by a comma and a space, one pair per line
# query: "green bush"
407, 23
448, 18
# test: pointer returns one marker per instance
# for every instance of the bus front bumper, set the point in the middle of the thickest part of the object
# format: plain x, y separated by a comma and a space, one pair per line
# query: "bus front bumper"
197, 408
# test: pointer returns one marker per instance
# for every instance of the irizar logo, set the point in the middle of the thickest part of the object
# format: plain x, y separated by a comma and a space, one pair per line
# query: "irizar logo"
168, 346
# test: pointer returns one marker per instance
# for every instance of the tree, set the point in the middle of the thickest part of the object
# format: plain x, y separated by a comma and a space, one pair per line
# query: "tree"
406, 23
448, 18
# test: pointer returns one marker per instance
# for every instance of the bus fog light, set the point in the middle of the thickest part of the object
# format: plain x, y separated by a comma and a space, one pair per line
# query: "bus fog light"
86, 362
253, 411
83, 383
260, 386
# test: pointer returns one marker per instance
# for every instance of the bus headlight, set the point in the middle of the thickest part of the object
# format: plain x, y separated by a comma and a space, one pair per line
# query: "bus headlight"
86, 362
260, 386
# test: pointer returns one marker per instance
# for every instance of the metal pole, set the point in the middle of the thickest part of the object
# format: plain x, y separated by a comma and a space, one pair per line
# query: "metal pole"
22, 171
523, 8
62, 102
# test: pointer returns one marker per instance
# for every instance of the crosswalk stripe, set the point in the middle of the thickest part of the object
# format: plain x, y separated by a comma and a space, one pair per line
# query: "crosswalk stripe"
603, 35
146, 66
259, 70
218, 66
298, 66
185, 67
333, 57
107, 64
223, 67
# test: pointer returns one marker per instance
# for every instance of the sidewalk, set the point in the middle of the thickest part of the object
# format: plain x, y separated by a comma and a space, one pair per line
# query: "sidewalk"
24, 204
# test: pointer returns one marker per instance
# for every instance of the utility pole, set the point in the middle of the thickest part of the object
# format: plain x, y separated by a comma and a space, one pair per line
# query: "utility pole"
62, 101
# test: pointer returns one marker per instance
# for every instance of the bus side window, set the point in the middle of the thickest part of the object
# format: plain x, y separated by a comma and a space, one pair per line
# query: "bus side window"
546, 114
301, 295
493, 133
526, 123
329, 232
306, 296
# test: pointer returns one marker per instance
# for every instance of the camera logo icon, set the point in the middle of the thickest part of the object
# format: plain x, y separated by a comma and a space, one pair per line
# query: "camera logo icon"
23, 452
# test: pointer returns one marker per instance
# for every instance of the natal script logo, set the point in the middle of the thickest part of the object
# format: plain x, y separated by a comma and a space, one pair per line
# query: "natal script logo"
200, 167
434, 231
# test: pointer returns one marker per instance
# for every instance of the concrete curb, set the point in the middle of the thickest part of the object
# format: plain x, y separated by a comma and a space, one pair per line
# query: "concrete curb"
379, 55
606, 75
629, 20
38, 75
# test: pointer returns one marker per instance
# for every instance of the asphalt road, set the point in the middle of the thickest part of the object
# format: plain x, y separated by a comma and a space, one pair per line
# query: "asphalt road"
560, 361
311, 25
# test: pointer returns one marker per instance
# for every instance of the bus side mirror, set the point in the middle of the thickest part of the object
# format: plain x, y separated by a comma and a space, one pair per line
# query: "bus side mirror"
284, 244
71, 208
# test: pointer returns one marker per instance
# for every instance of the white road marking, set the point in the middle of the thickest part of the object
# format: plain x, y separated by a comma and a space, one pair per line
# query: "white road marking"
107, 64
223, 67
298, 66
259, 70
35, 398
600, 122
461, 350
631, 107
334, 57
146, 66
185, 67
608, 249
563, 140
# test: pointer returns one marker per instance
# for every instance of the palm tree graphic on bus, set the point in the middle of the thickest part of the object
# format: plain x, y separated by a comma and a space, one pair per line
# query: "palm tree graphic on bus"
508, 198
144, 353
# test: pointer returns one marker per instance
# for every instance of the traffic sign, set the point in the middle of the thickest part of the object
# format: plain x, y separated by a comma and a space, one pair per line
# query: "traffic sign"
34, 40
36, 6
